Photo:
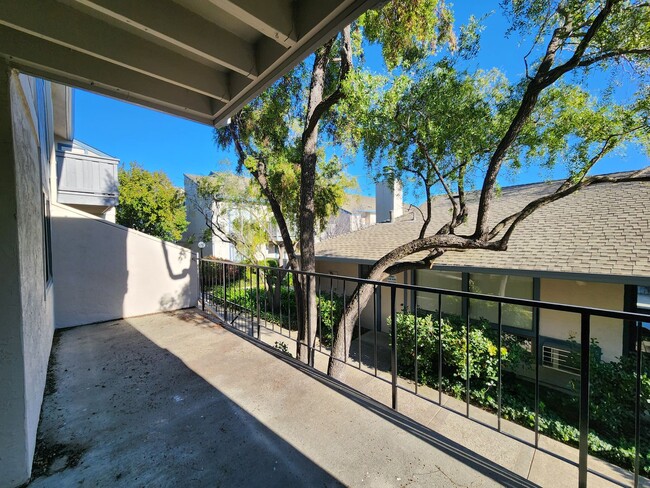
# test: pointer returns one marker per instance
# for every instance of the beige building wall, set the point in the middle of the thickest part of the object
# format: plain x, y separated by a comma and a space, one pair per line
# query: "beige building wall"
26, 300
105, 271
560, 325
342, 269
553, 324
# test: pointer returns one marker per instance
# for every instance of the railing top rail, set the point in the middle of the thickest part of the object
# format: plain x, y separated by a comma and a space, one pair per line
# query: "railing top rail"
560, 307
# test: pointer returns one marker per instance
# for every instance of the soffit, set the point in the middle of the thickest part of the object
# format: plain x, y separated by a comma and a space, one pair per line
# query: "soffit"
198, 59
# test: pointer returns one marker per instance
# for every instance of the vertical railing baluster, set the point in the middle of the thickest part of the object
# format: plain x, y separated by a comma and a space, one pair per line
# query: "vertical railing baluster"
374, 319
278, 284
202, 282
359, 326
257, 298
251, 312
584, 399
266, 300
310, 344
319, 283
332, 315
223, 284
439, 348
537, 365
637, 404
393, 347
291, 278
467, 365
345, 327
242, 306
415, 312
499, 359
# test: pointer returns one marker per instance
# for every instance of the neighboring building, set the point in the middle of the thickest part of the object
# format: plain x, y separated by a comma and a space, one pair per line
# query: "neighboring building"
357, 212
87, 179
212, 221
590, 248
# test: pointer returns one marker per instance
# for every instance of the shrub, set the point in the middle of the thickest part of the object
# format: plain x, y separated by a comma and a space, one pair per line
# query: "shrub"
612, 384
330, 312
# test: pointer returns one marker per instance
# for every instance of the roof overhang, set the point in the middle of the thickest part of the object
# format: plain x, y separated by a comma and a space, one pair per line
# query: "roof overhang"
199, 59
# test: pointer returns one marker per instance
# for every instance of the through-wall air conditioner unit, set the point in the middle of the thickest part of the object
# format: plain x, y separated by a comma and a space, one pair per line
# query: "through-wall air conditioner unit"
562, 359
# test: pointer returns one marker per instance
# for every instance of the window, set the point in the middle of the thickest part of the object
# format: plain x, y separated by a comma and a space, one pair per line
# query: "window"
640, 298
504, 286
448, 280
643, 298
47, 239
44, 118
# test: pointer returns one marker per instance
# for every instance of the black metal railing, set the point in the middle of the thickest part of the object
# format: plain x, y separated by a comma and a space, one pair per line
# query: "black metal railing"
253, 298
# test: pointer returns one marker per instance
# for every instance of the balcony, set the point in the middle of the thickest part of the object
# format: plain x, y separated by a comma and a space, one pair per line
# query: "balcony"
86, 177
212, 398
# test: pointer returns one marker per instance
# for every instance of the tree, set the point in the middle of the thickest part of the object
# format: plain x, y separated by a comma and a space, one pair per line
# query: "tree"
234, 212
279, 136
277, 139
149, 203
439, 125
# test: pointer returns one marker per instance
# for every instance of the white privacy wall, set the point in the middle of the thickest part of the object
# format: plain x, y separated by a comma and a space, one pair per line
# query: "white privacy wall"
105, 271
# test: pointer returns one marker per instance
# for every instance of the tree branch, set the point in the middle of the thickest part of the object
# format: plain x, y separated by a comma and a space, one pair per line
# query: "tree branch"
337, 94
612, 54
545, 76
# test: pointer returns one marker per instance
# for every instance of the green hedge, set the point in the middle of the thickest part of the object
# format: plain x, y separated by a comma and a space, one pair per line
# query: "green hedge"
330, 310
612, 385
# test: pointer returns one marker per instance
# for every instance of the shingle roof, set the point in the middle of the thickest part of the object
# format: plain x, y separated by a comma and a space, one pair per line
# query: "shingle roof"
600, 230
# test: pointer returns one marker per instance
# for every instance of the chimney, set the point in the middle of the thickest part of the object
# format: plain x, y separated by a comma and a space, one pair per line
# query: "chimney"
388, 201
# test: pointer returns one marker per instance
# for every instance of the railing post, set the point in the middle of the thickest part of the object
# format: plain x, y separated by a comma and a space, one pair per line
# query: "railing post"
467, 365
393, 347
225, 302
257, 296
202, 280
538, 362
500, 364
584, 399
439, 349
637, 403
310, 344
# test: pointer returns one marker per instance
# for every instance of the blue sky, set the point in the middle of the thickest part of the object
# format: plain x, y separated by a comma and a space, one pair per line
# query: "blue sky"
163, 142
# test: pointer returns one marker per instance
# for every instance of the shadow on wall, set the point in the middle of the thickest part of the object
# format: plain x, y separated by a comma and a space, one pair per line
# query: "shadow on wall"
103, 271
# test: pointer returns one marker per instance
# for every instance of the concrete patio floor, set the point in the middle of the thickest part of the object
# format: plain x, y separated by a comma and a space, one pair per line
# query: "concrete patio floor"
175, 399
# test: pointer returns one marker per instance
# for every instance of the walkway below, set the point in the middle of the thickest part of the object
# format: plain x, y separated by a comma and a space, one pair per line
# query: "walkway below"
176, 400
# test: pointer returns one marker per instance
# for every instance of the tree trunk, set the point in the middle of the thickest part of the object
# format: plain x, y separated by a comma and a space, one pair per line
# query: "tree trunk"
391, 264
307, 324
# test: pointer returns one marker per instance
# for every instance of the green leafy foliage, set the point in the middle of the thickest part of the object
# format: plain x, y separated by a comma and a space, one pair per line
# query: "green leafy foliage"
242, 294
409, 31
483, 365
234, 211
612, 384
148, 202
282, 347
269, 133
330, 309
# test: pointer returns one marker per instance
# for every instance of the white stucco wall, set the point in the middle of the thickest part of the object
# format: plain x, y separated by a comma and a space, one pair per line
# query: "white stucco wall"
27, 323
106, 271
